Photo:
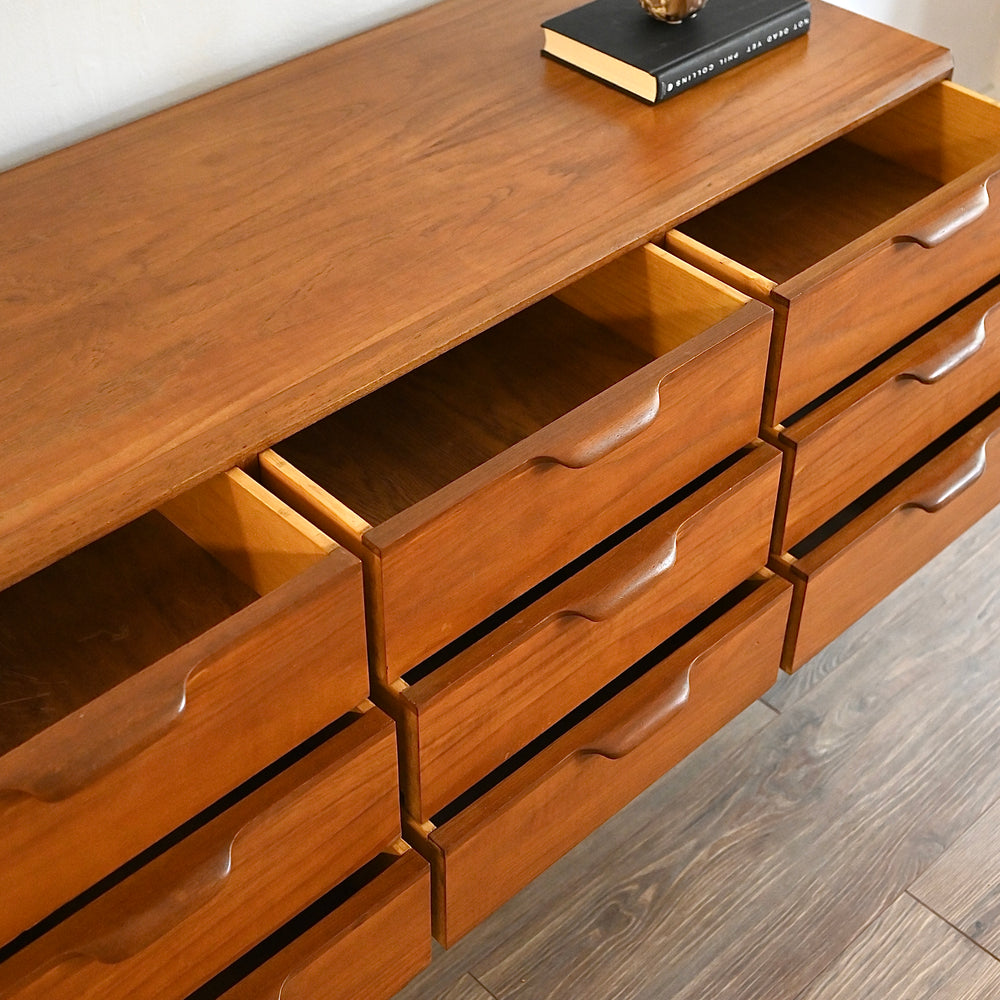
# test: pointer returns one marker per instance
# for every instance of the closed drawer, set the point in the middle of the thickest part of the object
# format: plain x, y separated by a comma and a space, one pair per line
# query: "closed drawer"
471, 713
148, 674
848, 444
888, 537
182, 918
864, 240
491, 843
479, 474
367, 945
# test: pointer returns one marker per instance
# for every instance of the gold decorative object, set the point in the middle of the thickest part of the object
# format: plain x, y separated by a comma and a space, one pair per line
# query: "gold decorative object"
673, 11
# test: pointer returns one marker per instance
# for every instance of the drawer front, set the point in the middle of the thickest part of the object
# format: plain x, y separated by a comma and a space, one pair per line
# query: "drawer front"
859, 303
471, 714
492, 849
855, 568
584, 477
370, 946
134, 760
186, 915
856, 439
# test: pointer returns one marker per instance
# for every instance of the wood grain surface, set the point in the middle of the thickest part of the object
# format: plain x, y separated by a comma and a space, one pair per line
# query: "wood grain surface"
183, 291
98, 617
494, 697
962, 885
399, 445
909, 953
791, 220
753, 866
183, 917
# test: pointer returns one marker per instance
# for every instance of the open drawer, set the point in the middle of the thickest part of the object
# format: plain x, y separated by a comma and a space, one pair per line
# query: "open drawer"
874, 545
491, 842
460, 719
864, 240
155, 670
474, 477
840, 449
180, 919
367, 939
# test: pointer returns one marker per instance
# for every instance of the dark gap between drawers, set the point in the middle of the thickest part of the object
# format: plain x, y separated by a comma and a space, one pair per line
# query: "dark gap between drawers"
473, 635
861, 372
177, 835
597, 700
294, 929
884, 486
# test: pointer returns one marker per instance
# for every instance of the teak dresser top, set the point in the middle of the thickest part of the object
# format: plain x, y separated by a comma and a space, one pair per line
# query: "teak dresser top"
188, 289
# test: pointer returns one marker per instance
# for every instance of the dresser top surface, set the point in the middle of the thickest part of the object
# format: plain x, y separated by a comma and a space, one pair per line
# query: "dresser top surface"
183, 291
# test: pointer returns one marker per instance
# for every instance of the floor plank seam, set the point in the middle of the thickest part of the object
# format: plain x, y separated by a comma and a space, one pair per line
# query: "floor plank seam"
488, 993
944, 919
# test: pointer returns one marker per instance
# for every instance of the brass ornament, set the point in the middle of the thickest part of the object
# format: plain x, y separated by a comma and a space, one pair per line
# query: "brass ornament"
672, 11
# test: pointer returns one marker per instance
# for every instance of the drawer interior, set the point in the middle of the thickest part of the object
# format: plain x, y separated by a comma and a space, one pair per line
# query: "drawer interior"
87, 623
802, 214
404, 442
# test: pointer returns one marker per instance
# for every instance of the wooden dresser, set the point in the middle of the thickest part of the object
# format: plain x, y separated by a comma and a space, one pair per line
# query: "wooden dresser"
411, 452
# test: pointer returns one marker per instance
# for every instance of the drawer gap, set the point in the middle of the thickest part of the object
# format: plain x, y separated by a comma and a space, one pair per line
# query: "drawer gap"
884, 486
602, 697
80, 627
519, 604
295, 927
183, 831
896, 348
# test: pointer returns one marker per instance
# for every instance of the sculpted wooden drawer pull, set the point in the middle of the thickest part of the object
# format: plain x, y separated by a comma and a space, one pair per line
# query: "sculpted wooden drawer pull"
97, 746
956, 354
630, 734
630, 587
956, 218
578, 454
964, 476
128, 930
607, 602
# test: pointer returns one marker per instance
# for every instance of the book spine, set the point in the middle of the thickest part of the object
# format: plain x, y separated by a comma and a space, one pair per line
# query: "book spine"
734, 52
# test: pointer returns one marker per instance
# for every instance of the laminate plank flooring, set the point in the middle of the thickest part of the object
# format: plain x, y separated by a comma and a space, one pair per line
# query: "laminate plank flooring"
963, 886
779, 849
909, 953
467, 989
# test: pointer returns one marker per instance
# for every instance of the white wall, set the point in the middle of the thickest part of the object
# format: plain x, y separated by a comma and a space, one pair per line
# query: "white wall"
71, 68
970, 28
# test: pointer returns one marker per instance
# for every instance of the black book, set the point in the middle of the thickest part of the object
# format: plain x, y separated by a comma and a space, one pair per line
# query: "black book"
619, 43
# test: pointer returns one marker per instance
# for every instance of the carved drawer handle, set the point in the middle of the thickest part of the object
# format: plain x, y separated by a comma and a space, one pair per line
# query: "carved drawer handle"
578, 454
615, 597
129, 929
951, 221
630, 734
94, 741
119, 926
619, 594
956, 354
965, 476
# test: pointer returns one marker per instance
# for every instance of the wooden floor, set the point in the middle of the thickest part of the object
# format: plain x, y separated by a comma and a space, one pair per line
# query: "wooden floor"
840, 840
